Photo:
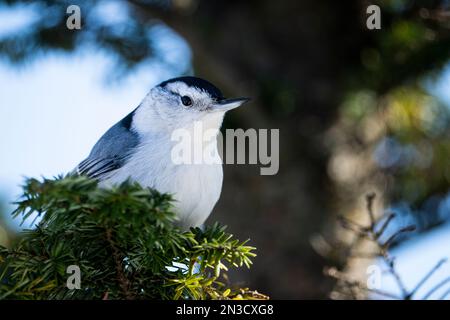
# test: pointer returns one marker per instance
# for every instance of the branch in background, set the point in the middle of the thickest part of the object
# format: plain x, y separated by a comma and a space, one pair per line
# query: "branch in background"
355, 289
437, 287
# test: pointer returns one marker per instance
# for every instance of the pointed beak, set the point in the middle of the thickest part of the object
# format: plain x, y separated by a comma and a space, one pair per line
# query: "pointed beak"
229, 104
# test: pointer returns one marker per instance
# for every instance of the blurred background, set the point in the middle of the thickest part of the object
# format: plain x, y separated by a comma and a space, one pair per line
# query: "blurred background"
358, 110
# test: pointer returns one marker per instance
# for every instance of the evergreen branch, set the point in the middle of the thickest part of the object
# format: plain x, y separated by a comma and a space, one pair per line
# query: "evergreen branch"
124, 242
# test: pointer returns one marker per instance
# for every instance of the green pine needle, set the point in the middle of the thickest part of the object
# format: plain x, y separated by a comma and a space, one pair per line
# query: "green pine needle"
124, 242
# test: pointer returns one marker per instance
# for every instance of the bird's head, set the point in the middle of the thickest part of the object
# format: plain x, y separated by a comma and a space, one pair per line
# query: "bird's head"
179, 102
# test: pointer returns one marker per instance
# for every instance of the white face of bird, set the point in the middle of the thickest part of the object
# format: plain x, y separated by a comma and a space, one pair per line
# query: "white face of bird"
177, 105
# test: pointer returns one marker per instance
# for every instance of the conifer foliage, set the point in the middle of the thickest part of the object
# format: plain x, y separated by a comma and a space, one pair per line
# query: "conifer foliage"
124, 242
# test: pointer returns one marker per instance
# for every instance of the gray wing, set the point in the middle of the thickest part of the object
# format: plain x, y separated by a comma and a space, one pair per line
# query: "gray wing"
111, 152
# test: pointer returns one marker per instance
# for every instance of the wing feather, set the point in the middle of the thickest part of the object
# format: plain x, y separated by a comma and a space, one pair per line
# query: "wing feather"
111, 152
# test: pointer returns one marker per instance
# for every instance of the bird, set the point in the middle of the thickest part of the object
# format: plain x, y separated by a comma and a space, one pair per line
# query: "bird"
139, 147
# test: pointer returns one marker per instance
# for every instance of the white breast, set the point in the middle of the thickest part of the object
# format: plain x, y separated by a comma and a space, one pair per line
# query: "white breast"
195, 187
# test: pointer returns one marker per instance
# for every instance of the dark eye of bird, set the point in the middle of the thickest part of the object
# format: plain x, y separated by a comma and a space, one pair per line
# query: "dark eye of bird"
186, 101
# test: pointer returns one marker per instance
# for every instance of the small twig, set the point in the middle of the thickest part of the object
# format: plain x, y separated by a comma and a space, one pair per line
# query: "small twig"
388, 242
427, 276
369, 232
352, 226
369, 200
435, 288
391, 269
386, 223
446, 293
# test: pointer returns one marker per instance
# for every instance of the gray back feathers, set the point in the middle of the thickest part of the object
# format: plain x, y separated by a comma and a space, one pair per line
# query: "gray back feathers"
112, 150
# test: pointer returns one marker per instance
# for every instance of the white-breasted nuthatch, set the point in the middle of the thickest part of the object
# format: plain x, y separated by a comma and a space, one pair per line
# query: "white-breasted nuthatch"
139, 147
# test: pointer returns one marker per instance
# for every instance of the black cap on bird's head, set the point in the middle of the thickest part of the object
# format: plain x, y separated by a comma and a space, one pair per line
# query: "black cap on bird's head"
199, 83
214, 93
